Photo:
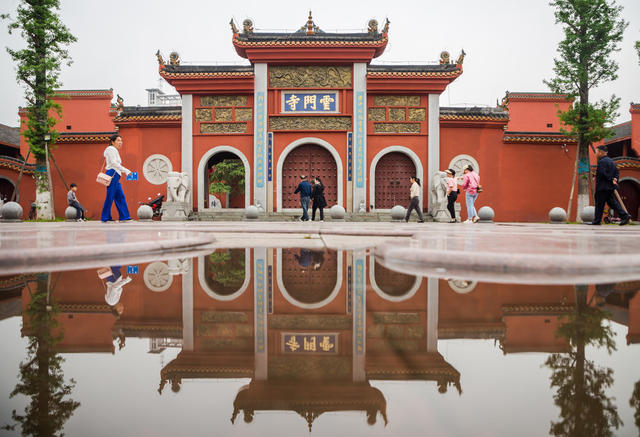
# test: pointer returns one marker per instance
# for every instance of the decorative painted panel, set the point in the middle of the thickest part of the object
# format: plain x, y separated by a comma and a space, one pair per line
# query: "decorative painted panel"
309, 102
377, 114
305, 343
396, 100
204, 114
223, 128
397, 114
417, 114
223, 101
309, 123
244, 114
321, 76
396, 128
224, 114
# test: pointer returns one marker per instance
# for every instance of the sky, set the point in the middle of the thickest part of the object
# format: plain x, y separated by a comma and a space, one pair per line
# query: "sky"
510, 44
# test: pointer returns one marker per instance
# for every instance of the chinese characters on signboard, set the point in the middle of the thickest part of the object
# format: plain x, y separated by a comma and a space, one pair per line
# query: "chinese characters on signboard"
309, 102
310, 343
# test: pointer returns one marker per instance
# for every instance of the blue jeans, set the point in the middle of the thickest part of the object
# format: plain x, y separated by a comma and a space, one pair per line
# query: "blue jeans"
304, 201
471, 210
115, 193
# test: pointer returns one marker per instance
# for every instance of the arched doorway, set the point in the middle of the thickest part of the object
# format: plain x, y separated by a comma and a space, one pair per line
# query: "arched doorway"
630, 194
6, 189
392, 175
310, 160
231, 169
224, 274
309, 278
391, 285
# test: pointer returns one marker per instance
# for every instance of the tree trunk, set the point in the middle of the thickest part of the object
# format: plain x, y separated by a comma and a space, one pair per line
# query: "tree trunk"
44, 196
584, 199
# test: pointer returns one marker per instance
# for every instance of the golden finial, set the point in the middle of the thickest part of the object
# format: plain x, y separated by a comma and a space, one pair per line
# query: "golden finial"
160, 60
310, 30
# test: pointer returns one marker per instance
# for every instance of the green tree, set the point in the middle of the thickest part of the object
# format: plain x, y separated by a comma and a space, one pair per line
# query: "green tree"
41, 377
593, 30
638, 50
38, 70
227, 177
585, 409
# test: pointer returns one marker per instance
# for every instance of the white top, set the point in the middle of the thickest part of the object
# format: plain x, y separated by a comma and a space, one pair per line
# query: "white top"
415, 190
114, 290
113, 160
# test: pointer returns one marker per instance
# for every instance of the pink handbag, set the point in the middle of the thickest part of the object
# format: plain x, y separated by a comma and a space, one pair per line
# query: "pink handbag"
103, 178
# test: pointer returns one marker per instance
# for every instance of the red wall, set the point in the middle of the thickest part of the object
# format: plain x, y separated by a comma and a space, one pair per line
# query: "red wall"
534, 115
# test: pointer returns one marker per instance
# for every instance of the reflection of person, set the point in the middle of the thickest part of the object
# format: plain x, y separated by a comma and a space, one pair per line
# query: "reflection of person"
415, 199
452, 193
72, 200
319, 202
606, 183
318, 259
114, 168
115, 282
470, 184
304, 188
304, 258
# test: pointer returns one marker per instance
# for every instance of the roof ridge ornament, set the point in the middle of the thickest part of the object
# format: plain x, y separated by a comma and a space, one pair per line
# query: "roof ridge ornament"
461, 58
234, 29
161, 63
119, 104
247, 27
385, 29
373, 27
445, 58
174, 59
310, 25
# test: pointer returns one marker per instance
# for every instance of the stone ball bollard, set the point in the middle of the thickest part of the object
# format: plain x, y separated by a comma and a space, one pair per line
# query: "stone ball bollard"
557, 215
145, 213
337, 213
70, 214
251, 212
486, 214
11, 212
588, 214
397, 213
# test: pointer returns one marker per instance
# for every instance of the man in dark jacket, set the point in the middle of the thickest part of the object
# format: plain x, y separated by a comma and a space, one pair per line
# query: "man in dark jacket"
606, 183
304, 188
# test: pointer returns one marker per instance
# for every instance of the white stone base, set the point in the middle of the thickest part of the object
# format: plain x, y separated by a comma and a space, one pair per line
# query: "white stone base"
175, 211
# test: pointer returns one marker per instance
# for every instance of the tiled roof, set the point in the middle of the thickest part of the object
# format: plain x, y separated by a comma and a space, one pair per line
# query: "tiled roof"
537, 137
536, 96
277, 38
84, 137
16, 164
9, 136
147, 113
206, 71
434, 70
621, 131
473, 113
75, 93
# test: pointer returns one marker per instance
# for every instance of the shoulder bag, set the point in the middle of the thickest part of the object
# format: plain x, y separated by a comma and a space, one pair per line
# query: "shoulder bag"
103, 178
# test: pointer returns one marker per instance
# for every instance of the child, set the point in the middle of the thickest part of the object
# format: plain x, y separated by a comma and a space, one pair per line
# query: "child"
73, 201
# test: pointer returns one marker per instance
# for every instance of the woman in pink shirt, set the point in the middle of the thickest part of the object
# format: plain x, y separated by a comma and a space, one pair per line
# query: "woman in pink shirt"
470, 185
452, 193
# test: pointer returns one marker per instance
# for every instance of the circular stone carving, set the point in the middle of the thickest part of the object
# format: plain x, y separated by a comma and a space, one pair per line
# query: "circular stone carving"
156, 168
462, 286
11, 212
145, 212
70, 213
337, 212
398, 212
588, 214
157, 277
486, 214
459, 162
557, 215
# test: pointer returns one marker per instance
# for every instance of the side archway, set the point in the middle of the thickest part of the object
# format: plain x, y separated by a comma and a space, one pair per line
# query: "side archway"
313, 141
372, 172
203, 180
404, 286
630, 194
202, 272
6, 189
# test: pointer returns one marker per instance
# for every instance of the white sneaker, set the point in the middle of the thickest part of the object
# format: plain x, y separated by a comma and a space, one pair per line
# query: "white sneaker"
467, 221
475, 219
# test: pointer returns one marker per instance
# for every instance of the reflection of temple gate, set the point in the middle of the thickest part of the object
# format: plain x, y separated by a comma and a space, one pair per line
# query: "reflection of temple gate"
393, 283
310, 160
392, 180
309, 276
630, 194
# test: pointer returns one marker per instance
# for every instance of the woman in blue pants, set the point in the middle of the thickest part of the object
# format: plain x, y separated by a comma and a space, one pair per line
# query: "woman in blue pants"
114, 168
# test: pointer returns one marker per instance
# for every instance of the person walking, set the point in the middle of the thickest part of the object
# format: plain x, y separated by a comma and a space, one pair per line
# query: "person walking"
606, 184
470, 184
414, 203
304, 188
72, 200
114, 168
452, 193
319, 202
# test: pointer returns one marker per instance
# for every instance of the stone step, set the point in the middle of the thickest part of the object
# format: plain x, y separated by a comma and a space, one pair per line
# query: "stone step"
238, 215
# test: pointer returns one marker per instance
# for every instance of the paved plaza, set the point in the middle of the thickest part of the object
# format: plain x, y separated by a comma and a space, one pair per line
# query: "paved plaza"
496, 252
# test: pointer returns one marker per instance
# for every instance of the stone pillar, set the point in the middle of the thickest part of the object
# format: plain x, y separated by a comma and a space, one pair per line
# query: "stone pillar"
433, 151
260, 136
260, 313
359, 136
432, 314
359, 315
187, 307
187, 141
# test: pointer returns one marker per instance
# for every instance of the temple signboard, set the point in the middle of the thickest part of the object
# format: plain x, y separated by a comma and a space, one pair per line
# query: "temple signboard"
310, 102
306, 343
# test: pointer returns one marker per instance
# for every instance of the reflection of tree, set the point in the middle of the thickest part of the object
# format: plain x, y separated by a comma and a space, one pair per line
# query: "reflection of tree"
635, 402
585, 410
226, 270
41, 376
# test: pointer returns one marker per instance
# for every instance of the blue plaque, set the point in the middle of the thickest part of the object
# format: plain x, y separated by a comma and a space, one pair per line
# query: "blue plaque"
309, 102
133, 176
132, 270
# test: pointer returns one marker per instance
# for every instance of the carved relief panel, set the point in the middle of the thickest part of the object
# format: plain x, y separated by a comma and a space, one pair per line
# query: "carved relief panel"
306, 76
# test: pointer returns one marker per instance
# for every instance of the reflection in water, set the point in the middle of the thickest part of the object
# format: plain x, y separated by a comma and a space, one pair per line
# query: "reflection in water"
225, 270
585, 409
391, 282
41, 376
309, 276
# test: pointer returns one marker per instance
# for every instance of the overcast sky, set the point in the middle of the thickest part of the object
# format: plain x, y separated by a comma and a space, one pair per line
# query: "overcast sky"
510, 44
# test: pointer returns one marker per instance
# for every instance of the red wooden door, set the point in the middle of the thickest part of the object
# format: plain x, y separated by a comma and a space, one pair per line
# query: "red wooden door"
309, 275
630, 194
392, 180
309, 160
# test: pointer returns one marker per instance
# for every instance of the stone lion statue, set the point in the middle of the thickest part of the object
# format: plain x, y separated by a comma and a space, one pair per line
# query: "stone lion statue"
178, 187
